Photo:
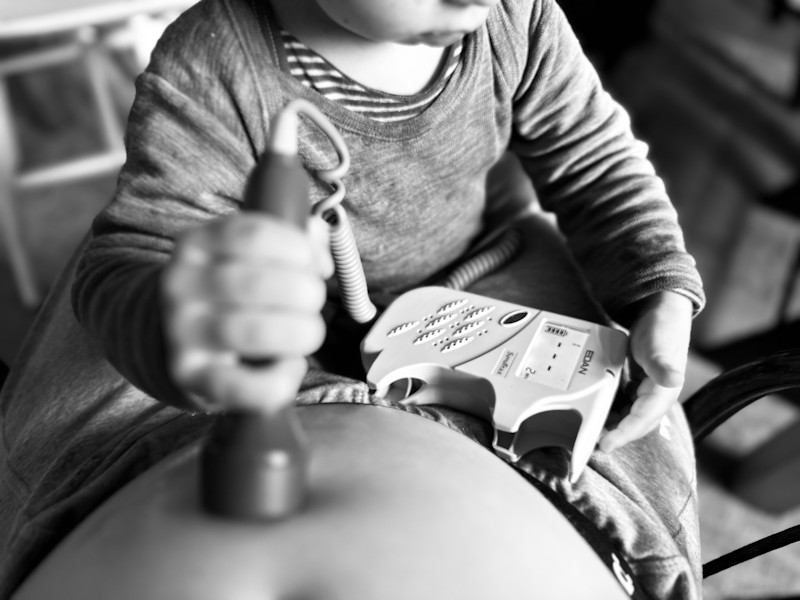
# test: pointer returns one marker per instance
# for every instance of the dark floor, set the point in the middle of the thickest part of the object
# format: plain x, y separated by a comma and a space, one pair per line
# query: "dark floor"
710, 92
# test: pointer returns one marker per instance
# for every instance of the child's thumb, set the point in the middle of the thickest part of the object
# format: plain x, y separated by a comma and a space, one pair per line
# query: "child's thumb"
665, 370
662, 352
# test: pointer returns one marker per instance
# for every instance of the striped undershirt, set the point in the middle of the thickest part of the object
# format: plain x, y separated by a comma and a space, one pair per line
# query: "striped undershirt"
313, 71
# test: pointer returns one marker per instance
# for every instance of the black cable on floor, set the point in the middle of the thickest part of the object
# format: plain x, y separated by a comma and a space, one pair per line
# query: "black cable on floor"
745, 553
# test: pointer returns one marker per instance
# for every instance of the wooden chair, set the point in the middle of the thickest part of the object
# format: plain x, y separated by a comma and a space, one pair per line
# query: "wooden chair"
723, 397
36, 34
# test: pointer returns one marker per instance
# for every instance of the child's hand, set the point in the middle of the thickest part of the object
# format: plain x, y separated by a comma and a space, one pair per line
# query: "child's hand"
659, 348
245, 286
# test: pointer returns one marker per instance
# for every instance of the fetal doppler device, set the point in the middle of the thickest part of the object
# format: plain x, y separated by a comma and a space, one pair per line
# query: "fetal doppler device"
540, 378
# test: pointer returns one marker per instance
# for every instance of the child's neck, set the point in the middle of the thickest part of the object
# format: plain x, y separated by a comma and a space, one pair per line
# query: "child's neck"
385, 66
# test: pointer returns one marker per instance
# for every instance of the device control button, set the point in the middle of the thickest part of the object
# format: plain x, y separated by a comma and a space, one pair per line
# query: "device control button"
456, 344
402, 328
514, 317
468, 327
430, 335
478, 313
441, 321
451, 306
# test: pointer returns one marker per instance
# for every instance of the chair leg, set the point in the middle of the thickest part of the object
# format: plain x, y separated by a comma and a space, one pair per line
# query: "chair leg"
98, 81
20, 265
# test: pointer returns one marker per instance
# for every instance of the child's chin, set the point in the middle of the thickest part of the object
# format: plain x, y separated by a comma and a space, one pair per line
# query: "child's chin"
440, 40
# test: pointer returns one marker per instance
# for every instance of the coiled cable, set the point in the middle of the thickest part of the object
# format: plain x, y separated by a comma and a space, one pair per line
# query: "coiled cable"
349, 270
487, 261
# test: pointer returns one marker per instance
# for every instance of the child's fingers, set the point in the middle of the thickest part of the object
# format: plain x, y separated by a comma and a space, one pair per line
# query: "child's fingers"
302, 290
652, 403
248, 286
248, 237
319, 231
208, 348
267, 333
661, 349
245, 284
251, 333
660, 340
667, 368
226, 383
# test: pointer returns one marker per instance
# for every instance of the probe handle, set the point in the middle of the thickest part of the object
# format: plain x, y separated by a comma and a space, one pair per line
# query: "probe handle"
255, 464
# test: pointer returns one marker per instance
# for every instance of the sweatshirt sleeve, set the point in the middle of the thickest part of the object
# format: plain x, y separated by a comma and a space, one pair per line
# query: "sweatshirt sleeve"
188, 155
577, 146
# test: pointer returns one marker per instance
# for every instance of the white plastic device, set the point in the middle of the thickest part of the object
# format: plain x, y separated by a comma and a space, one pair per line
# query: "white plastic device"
540, 378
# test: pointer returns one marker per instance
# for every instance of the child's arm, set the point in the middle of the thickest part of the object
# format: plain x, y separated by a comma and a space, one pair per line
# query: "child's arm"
193, 136
576, 143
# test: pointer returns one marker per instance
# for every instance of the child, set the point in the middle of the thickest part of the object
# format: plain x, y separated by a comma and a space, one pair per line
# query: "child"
428, 95
247, 284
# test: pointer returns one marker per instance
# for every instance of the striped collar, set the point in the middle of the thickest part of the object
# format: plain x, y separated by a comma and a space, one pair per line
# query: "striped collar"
315, 72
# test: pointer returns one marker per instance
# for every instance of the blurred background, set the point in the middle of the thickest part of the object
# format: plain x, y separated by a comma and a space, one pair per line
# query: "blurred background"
713, 86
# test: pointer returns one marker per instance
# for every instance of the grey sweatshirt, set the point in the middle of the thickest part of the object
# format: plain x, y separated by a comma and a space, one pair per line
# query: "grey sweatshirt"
416, 190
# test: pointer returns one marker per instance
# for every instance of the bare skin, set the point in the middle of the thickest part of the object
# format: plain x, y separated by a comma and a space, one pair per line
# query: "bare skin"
388, 523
